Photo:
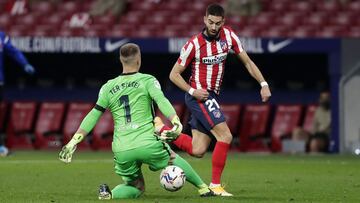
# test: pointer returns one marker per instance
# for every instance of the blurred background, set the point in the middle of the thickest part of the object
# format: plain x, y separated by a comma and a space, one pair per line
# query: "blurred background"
304, 48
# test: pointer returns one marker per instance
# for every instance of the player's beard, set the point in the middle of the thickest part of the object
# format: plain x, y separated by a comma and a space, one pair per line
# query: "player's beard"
211, 35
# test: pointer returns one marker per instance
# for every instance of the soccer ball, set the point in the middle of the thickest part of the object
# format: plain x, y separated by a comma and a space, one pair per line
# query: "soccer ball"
172, 178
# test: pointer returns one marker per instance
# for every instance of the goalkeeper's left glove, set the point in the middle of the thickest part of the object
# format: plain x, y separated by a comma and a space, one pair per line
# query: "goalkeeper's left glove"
68, 150
174, 132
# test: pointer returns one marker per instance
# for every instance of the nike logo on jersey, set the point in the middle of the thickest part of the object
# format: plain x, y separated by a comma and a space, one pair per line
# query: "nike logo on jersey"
274, 47
112, 46
216, 59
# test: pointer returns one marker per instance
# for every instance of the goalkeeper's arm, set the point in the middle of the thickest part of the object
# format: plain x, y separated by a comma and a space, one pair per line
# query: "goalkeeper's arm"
86, 126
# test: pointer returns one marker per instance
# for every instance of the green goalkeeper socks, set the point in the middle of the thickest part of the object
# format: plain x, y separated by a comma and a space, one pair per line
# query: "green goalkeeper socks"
123, 191
190, 173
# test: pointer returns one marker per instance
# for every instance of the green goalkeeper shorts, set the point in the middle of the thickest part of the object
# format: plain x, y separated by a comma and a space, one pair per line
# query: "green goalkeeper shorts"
128, 163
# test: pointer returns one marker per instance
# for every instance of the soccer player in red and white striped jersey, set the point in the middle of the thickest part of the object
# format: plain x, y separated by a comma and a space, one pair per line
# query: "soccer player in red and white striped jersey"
206, 53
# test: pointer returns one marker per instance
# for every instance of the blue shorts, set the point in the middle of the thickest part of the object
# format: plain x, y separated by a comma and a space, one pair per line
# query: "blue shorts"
204, 114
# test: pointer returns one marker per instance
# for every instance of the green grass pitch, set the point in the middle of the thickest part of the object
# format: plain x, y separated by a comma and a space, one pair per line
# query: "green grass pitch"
38, 176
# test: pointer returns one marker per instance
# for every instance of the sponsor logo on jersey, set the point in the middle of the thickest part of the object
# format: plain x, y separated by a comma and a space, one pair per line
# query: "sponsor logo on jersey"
217, 59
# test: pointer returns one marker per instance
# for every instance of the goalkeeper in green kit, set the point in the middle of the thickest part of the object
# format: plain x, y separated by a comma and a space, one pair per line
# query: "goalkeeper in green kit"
129, 98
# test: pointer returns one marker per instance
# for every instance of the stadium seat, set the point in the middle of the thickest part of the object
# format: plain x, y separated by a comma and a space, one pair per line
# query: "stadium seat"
20, 126
48, 125
328, 6
253, 127
353, 6
3, 111
316, 19
343, 19
232, 116
5, 21
179, 108
303, 32
102, 135
75, 114
309, 117
43, 7
287, 117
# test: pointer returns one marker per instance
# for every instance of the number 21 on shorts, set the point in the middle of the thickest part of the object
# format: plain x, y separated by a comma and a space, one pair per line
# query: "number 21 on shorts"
210, 104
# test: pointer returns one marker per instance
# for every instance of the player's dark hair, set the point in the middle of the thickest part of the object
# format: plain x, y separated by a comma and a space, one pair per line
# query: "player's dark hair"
129, 50
215, 10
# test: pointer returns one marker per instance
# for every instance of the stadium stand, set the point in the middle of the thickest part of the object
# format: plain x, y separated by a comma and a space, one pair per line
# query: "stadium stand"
48, 125
309, 117
302, 19
287, 117
75, 114
3, 111
232, 115
20, 127
253, 127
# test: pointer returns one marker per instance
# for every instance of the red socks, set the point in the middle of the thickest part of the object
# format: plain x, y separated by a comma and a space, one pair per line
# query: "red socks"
183, 142
218, 161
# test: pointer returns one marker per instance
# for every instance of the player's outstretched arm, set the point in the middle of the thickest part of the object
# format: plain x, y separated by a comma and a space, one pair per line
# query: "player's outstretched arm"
178, 80
68, 150
86, 126
256, 73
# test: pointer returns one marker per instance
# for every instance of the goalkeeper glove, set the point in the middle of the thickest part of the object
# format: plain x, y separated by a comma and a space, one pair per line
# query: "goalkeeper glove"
68, 150
174, 132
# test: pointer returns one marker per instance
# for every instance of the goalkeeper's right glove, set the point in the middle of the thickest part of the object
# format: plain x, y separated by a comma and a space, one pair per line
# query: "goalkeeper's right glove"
68, 150
174, 132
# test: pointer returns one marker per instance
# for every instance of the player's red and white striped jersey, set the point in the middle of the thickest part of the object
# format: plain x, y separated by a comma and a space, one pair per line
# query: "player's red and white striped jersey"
207, 58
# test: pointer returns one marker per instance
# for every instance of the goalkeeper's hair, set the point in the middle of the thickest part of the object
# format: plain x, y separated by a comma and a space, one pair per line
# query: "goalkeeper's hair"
128, 52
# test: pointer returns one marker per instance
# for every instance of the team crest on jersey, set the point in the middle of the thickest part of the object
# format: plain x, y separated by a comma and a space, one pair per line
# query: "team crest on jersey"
223, 45
216, 113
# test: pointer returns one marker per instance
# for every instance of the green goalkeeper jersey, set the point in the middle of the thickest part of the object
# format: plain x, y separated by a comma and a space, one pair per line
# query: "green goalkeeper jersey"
129, 98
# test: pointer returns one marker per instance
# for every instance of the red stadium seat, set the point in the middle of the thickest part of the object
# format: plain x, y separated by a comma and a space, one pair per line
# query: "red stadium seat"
75, 114
42, 7
5, 21
69, 7
263, 19
343, 19
275, 31
309, 117
48, 125
302, 6
3, 111
102, 134
253, 125
328, 6
316, 19
353, 6
27, 20
19, 129
279, 6
287, 117
289, 20
303, 32
179, 108
132, 18
331, 31
232, 116
354, 32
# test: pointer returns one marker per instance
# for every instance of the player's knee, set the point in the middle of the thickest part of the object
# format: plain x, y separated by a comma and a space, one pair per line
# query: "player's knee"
199, 152
225, 137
